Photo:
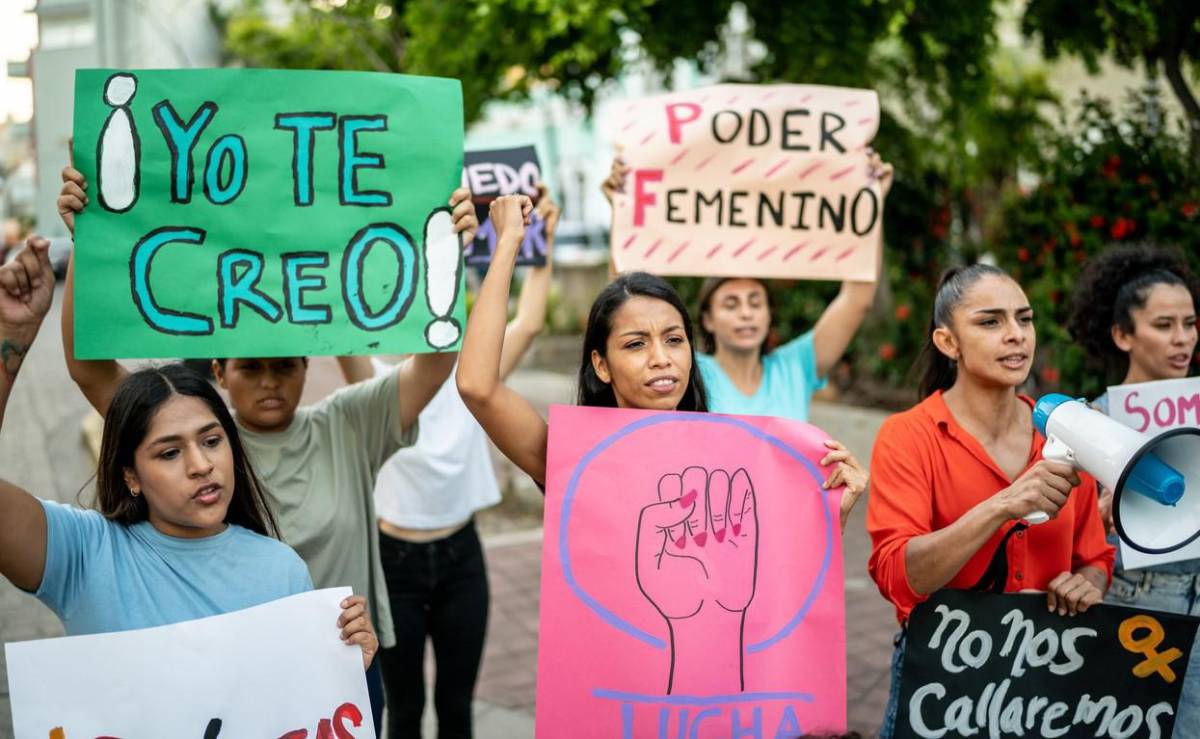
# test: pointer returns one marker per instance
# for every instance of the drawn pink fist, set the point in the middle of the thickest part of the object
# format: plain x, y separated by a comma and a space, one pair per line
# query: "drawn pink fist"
697, 563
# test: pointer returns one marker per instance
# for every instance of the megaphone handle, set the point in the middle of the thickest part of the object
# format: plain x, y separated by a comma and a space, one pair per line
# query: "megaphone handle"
1054, 451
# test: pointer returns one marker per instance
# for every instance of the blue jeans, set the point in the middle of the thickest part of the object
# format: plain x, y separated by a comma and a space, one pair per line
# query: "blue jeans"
1174, 593
893, 705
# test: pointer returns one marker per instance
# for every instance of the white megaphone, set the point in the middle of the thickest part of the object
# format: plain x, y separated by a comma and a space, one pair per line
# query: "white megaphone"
1155, 479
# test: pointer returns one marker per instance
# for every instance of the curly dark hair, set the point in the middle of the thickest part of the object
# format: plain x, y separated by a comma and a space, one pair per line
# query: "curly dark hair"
1113, 284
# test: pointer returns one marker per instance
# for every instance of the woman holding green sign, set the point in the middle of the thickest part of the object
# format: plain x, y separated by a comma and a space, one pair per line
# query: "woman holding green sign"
318, 462
183, 529
1148, 334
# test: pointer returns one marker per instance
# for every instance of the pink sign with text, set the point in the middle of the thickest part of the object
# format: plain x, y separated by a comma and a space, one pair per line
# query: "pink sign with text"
749, 181
692, 578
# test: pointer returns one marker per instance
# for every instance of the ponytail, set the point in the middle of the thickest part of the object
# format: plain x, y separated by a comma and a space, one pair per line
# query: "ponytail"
937, 371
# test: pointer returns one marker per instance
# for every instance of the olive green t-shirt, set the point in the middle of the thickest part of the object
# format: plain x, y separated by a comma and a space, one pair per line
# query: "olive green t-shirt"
320, 479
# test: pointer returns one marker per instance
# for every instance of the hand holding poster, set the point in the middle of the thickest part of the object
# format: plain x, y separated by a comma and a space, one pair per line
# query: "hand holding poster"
1000, 665
1152, 408
749, 181
691, 579
492, 173
275, 670
250, 212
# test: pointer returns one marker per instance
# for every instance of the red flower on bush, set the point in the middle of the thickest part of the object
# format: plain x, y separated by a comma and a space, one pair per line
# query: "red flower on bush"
1189, 209
887, 352
1023, 254
1145, 179
1122, 227
902, 312
1096, 221
1050, 375
1111, 167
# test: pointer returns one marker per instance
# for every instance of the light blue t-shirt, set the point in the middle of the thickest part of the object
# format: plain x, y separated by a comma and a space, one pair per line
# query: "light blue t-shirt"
789, 379
102, 576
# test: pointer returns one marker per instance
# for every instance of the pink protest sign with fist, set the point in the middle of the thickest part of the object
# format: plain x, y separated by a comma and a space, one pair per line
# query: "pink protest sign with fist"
692, 578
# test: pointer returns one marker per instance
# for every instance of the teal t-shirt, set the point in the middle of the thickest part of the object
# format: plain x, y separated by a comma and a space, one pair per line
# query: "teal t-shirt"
102, 576
788, 382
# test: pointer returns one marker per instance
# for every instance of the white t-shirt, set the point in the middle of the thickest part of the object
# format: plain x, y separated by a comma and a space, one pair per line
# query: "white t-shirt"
446, 476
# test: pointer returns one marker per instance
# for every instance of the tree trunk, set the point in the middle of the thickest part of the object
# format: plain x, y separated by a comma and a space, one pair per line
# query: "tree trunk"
1191, 108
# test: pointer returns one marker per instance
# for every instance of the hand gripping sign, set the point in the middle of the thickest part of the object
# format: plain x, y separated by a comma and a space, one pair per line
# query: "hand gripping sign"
749, 181
691, 579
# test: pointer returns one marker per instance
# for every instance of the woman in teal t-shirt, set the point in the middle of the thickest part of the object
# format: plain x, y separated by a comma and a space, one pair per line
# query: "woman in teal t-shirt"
183, 530
740, 375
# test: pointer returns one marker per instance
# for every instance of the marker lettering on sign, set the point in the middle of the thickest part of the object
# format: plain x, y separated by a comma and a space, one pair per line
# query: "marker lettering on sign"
181, 140
118, 153
1177, 410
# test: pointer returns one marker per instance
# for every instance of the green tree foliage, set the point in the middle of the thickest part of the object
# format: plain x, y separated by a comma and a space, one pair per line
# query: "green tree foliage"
1113, 177
1159, 33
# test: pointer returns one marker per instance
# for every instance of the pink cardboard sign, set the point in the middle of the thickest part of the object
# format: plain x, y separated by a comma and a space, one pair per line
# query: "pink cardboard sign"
691, 578
749, 181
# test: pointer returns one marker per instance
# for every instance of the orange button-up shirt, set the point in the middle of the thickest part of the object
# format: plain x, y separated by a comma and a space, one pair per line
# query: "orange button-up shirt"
927, 472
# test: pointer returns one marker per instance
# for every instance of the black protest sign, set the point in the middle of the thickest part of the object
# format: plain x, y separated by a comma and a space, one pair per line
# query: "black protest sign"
495, 172
988, 665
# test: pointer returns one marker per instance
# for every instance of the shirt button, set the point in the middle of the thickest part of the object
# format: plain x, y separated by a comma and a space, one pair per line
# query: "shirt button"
1020, 576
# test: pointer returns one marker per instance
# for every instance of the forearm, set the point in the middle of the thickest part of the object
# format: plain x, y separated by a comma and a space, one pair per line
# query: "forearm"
97, 379
420, 378
483, 345
22, 521
529, 321
355, 369
14, 347
933, 559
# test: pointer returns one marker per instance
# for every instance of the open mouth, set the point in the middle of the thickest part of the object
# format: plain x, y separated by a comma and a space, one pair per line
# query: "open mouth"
270, 404
208, 494
663, 385
1180, 361
1014, 361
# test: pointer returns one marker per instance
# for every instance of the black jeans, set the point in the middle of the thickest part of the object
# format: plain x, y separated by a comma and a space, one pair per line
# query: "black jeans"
438, 590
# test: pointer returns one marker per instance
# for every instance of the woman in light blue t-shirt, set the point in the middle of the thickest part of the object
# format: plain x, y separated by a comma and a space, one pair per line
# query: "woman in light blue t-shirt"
741, 376
183, 530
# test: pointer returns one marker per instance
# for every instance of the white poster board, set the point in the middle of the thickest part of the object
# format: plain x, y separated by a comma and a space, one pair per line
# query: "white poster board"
275, 670
1154, 407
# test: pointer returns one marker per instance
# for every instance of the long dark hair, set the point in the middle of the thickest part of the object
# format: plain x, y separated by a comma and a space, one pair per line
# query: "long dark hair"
126, 424
707, 340
595, 392
938, 371
1121, 277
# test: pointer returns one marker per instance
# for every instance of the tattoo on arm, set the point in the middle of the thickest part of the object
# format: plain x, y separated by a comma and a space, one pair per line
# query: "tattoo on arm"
11, 355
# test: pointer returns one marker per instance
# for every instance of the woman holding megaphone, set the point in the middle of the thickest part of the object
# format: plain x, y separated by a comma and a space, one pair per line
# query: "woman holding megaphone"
953, 477
1149, 334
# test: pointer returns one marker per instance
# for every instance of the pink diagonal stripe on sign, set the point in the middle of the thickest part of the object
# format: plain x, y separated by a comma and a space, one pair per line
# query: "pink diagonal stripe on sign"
865, 121
811, 168
794, 250
818, 254
806, 98
628, 242
742, 166
733, 100
678, 157
845, 254
768, 96
853, 103
701, 165
774, 169
629, 125
743, 247
767, 253
713, 251
841, 174
651, 249
678, 251
648, 137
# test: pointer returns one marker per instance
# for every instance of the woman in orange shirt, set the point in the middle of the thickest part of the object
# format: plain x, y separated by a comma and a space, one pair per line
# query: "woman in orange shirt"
953, 476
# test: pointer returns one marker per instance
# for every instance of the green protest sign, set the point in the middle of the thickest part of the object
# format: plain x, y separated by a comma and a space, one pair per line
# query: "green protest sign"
248, 212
